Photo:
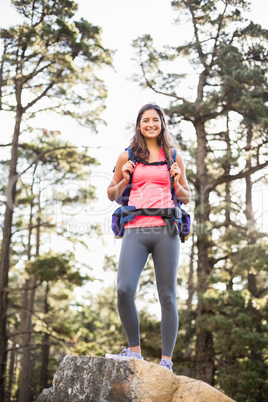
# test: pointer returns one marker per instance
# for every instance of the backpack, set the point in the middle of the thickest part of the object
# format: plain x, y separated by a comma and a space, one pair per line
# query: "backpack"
127, 213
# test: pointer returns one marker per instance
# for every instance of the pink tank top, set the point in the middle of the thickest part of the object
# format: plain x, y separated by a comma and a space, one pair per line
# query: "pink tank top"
150, 189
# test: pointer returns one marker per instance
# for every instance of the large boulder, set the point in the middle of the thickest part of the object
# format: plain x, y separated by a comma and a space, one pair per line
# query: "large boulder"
96, 379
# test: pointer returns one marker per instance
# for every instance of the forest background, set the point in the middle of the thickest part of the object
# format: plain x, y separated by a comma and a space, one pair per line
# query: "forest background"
58, 256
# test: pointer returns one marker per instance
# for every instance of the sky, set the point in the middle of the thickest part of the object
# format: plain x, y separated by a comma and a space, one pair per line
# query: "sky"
122, 21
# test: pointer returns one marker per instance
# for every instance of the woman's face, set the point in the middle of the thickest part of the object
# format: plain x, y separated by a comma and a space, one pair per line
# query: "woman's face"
150, 124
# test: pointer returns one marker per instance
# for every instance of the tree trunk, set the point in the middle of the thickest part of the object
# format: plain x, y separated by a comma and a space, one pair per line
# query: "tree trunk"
187, 371
191, 288
204, 339
205, 357
227, 170
25, 376
252, 278
45, 348
10, 374
26, 322
5, 251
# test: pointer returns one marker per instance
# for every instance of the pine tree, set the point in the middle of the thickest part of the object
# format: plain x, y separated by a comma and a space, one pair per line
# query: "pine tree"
227, 57
60, 162
47, 63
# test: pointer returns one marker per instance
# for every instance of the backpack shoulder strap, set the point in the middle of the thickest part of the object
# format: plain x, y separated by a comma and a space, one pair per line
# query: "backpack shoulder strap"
168, 164
174, 155
131, 156
129, 152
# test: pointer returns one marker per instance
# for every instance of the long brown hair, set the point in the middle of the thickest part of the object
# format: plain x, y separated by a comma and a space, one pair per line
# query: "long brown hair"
138, 144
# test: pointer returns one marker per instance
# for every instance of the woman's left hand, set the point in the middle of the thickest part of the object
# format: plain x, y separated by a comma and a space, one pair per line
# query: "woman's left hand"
175, 171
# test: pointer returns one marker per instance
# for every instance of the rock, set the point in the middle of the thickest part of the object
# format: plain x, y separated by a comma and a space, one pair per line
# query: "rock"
96, 379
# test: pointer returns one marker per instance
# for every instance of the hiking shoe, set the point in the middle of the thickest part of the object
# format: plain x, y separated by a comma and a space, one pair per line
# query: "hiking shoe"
166, 363
126, 354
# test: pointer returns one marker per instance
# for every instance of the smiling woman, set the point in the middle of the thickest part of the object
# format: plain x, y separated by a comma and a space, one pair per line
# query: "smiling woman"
151, 134
151, 183
150, 124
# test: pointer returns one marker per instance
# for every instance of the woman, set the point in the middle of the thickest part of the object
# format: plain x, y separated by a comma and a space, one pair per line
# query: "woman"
149, 234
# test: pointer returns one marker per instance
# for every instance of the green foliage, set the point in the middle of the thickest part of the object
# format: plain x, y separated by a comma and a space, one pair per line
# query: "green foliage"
101, 331
47, 163
52, 56
48, 63
55, 55
239, 325
54, 267
226, 102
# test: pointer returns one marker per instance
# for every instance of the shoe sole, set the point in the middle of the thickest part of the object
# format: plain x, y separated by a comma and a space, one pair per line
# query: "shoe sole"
116, 357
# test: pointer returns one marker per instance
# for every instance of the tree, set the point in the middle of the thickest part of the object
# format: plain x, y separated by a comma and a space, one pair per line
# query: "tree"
228, 59
49, 61
40, 198
61, 162
59, 275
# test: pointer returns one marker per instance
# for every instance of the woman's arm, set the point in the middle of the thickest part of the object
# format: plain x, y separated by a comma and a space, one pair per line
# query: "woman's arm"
177, 170
121, 176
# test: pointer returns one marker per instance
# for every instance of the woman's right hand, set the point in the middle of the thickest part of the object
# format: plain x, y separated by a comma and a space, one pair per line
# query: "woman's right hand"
127, 169
121, 177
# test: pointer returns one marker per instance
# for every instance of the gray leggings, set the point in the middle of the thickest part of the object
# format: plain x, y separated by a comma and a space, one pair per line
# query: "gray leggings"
137, 244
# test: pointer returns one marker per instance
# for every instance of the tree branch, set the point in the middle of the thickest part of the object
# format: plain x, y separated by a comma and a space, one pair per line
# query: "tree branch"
35, 72
148, 83
198, 43
214, 52
40, 156
240, 175
30, 104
